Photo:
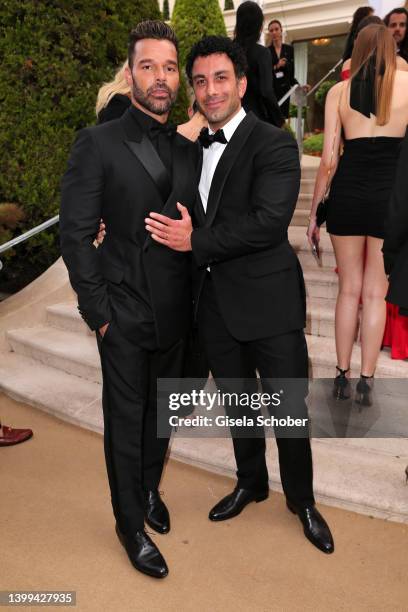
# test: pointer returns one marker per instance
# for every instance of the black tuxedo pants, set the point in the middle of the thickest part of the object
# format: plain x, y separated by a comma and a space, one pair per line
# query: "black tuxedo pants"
283, 356
133, 452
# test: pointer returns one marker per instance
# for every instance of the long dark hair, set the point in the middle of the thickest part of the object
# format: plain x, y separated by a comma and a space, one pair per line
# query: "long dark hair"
249, 24
359, 15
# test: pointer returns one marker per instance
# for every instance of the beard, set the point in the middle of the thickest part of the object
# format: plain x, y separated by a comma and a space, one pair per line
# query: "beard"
145, 99
219, 116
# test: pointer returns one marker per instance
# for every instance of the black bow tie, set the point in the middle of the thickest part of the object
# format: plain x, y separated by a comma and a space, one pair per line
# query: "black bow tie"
167, 129
207, 139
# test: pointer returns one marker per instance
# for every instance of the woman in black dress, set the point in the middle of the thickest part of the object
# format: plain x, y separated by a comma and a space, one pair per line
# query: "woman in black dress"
259, 96
371, 111
283, 64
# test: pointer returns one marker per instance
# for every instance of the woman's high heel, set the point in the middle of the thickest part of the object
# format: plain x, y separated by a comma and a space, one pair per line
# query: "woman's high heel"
364, 390
342, 388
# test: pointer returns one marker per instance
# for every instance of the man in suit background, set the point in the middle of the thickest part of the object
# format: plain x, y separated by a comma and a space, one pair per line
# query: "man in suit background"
133, 292
395, 247
249, 289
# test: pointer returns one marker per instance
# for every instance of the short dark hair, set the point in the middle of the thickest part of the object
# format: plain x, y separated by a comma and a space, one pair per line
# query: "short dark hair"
249, 23
150, 29
209, 45
275, 21
368, 21
400, 11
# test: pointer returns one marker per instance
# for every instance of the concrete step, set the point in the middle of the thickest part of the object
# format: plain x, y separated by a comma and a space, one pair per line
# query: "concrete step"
350, 477
320, 317
63, 395
304, 202
67, 317
309, 167
322, 356
300, 218
364, 475
298, 239
307, 186
321, 282
68, 351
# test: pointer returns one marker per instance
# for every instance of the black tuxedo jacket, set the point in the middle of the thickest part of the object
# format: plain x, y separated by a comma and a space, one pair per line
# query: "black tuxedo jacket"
243, 237
112, 174
395, 248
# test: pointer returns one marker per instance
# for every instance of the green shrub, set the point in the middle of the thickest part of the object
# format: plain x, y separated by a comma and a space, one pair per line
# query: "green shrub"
54, 56
313, 144
166, 10
193, 19
229, 5
293, 110
322, 91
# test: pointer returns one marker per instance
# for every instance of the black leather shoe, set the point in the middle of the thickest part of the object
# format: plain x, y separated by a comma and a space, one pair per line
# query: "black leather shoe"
315, 527
156, 513
234, 503
143, 553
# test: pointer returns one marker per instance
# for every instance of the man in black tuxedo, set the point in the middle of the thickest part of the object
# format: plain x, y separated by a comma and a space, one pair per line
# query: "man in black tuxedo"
250, 295
395, 248
133, 292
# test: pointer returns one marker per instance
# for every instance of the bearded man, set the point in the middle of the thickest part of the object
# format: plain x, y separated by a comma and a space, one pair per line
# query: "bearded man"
134, 292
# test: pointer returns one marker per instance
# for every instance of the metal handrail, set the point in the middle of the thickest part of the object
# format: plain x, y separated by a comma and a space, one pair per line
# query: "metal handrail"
301, 103
29, 234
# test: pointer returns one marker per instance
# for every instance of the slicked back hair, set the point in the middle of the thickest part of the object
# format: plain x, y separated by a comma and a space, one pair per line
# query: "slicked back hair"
159, 30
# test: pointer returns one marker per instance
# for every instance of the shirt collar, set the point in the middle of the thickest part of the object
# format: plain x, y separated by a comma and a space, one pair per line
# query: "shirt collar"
230, 127
145, 121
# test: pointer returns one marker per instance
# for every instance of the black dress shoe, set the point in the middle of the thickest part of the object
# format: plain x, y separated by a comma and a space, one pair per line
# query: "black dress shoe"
143, 553
234, 503
315, 527
156, 513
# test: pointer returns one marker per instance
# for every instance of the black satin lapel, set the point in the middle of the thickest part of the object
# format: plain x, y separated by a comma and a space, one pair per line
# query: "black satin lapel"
225, 164
179, 176
150, 160
199, 213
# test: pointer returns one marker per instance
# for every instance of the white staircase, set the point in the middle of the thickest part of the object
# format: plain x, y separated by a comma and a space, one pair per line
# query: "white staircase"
54, 365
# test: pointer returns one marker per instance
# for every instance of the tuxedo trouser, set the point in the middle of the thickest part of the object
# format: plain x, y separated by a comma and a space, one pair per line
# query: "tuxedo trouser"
134, 454
280, 357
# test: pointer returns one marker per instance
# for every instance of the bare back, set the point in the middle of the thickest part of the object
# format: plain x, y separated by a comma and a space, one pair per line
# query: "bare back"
356, 125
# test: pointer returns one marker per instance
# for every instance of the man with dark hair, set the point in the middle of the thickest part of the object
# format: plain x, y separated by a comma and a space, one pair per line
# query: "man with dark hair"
397, 22
250, 295
134, 293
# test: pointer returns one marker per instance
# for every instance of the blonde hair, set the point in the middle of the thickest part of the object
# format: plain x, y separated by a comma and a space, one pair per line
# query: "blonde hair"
375, 41
117, 86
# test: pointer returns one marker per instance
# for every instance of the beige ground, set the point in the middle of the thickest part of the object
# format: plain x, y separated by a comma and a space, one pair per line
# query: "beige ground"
57, 533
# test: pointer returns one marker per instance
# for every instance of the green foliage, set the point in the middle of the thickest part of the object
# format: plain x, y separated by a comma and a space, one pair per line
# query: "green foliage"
313, 144
166, 10
293, 111
287, 127
322, 91
54, 55
179, 112
193, 19
229, 5
10, 217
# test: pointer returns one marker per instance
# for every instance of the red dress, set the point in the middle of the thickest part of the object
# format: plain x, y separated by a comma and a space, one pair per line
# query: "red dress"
396, 325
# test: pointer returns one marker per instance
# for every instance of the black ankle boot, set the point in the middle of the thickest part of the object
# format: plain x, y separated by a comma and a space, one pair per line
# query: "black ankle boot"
364, 390
341, 388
